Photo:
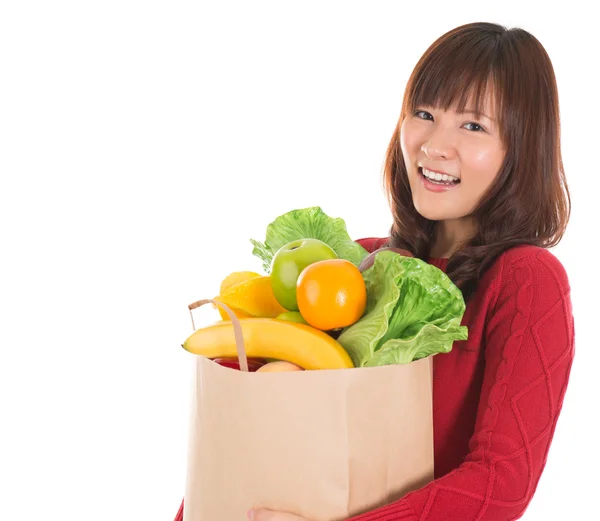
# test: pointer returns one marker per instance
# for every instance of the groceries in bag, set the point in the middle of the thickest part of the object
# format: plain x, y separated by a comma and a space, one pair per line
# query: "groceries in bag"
349, 426
324, 302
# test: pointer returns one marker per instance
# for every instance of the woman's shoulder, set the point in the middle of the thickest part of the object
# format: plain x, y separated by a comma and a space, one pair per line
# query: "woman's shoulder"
529, 291
527, 267
532, 256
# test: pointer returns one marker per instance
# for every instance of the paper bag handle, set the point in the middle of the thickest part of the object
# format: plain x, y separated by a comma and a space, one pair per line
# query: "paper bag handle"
237, 329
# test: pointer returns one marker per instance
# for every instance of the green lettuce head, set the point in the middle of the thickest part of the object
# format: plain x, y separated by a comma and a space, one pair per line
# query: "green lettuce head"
413, 311
308, 223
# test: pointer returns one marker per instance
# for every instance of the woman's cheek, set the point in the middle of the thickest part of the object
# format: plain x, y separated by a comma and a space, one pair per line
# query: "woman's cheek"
410, 138
404, 133
485, 160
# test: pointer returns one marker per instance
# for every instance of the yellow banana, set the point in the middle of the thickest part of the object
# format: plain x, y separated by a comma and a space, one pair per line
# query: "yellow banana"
294, 342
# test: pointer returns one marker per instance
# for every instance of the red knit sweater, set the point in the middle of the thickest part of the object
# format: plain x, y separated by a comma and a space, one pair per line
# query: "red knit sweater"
496, 396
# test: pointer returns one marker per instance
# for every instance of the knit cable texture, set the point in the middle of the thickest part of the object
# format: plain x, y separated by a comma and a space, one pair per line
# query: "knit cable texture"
527, 372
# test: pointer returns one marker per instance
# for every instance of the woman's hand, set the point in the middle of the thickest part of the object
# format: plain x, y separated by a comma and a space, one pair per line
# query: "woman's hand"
263, 514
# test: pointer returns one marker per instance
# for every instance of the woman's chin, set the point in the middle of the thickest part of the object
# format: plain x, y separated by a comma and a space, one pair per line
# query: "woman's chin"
433, 214
438, 210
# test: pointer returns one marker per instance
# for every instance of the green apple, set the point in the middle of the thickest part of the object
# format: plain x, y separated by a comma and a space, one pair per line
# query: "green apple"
289, 261
292, 316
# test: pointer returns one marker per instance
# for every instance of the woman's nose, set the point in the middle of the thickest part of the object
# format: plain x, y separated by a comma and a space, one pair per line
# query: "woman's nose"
438, 145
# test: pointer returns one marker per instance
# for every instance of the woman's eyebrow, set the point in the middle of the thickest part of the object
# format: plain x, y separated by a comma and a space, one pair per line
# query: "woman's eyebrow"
475, 113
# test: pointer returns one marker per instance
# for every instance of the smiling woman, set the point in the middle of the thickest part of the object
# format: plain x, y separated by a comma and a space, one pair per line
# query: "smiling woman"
476, 187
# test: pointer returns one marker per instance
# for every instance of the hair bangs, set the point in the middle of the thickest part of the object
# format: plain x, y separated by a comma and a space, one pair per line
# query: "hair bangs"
461, 75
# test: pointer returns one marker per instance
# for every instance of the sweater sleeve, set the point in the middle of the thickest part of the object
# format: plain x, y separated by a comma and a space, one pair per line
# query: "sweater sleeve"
528, 355
372, 243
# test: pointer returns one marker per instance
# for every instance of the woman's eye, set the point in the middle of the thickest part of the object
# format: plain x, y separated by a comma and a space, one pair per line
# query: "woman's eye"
423, 115
475, 127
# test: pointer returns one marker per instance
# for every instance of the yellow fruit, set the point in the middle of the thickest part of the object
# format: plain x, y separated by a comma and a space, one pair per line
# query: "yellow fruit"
225, 316
237, 277
254, 297
278, 366
233, 279
300, 344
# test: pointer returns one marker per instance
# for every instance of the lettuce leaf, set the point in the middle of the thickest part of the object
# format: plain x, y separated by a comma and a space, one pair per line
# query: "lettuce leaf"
306, 223
413, 310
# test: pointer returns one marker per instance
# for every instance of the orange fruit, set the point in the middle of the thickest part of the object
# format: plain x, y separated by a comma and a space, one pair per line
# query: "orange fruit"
331, 294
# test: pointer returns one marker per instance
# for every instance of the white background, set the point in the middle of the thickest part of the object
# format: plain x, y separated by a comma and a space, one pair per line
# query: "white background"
143, 144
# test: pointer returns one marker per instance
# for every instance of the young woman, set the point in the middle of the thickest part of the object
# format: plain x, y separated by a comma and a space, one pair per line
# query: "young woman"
476, 187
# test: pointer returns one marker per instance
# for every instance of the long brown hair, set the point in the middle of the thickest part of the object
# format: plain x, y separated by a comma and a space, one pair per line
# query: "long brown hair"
529, 202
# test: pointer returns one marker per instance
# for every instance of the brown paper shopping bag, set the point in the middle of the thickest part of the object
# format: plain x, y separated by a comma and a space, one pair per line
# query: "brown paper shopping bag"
324, 444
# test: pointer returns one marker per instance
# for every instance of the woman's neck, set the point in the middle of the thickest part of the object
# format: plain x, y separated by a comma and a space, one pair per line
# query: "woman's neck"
450, 235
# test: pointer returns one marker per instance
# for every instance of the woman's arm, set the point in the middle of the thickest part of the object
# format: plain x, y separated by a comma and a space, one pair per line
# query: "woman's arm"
528, 358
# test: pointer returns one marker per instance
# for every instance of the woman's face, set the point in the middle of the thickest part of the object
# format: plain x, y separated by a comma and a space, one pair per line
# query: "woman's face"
462, 152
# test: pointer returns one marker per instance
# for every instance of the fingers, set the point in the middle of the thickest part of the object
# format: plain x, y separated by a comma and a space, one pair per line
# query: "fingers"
260, 514
263, 514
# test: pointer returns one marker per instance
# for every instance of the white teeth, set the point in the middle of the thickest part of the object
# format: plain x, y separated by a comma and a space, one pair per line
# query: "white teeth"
438, 177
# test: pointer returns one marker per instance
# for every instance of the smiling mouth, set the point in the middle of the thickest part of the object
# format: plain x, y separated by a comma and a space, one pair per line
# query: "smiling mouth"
439, 179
